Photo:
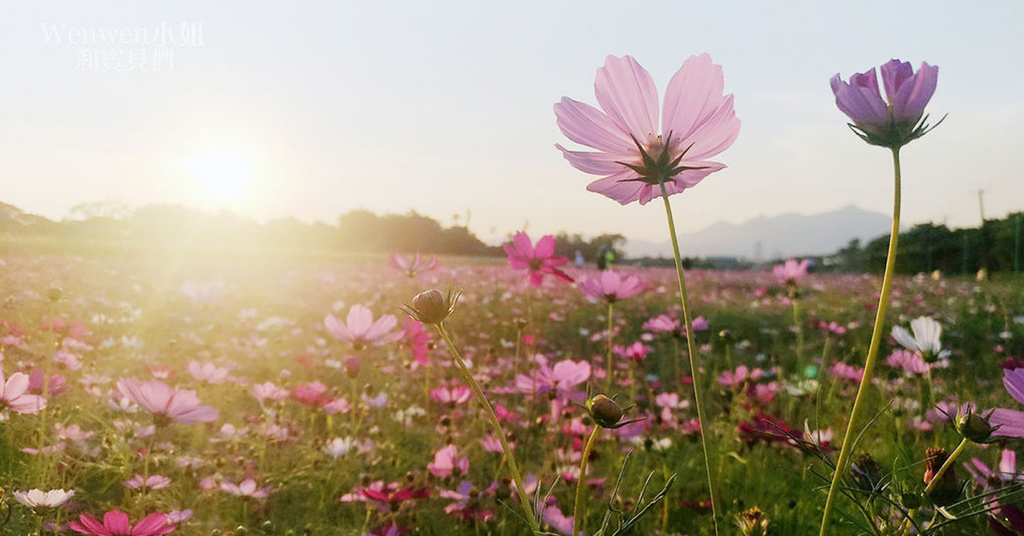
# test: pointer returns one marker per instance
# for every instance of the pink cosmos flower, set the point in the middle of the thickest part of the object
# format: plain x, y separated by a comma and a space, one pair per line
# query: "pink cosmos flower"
610, 286
416, 339
634, 154
455, 395
116, 523
662, 324
14, 394
562, 377
38, 384
637, 351
360, 329
269, 391
910, 362
151, 482
165, 402
311, 393
208, 372
558, 521
790, 271
414, 266
846, 372
539, 260
899, 119
446, 461
246, 488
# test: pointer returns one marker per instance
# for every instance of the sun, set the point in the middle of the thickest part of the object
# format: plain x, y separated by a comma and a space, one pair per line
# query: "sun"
222, 177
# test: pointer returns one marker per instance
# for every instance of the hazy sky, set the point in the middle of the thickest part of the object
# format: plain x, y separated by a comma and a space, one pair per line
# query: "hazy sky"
312, 109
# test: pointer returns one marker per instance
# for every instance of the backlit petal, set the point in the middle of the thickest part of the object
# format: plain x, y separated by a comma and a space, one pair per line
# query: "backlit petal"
626, 92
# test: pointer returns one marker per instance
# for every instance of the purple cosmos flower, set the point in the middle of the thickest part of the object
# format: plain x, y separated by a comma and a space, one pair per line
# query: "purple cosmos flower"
633, 154
897, 120
1010, 422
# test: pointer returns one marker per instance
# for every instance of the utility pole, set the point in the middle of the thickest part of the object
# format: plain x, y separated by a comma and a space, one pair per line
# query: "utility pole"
981, 205
983, 248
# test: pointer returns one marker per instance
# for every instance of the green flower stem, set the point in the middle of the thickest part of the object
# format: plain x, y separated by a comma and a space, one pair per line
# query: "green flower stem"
869, 363
949, 462
577, 512
608, 351
684, 300
798, 326
513, 468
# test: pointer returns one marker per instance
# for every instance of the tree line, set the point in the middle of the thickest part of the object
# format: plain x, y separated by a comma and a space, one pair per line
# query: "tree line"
926, 247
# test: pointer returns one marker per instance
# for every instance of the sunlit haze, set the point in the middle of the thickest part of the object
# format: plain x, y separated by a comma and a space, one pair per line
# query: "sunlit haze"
312, 109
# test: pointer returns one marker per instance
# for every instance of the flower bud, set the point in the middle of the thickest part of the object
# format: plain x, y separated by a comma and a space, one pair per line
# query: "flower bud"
432, 306
55, 294
752, 522
605, 412
974, 427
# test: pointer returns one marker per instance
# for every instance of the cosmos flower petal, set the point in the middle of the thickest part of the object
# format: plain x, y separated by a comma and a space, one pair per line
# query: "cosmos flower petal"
88, 525
522, 244
545, 247
1014, 382
913, 96
17, 385
379, 331
594, 163
861, 104
905, 339
180, 402
359, 320
27, 404
692, 96
337, 328
117, 522
894, 74
626, 92
150, 524
1009, 421
515, 259
714, 135
586, 125
620, 187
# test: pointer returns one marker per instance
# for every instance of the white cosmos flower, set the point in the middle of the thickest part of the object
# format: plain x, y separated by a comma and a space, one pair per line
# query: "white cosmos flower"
926, 339
37, 498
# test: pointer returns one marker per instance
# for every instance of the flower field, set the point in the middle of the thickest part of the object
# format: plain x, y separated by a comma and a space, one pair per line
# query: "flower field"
273, 395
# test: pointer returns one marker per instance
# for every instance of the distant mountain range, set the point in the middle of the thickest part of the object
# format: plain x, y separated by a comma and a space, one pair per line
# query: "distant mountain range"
764, 238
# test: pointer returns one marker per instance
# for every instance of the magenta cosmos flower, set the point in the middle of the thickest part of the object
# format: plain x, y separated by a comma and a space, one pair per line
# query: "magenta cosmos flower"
610, 286
166, 403
897, 120
116, 523
539, 260
360, 329
634, 154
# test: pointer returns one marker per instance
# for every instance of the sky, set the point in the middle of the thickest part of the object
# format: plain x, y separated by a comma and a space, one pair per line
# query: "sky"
312, 109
